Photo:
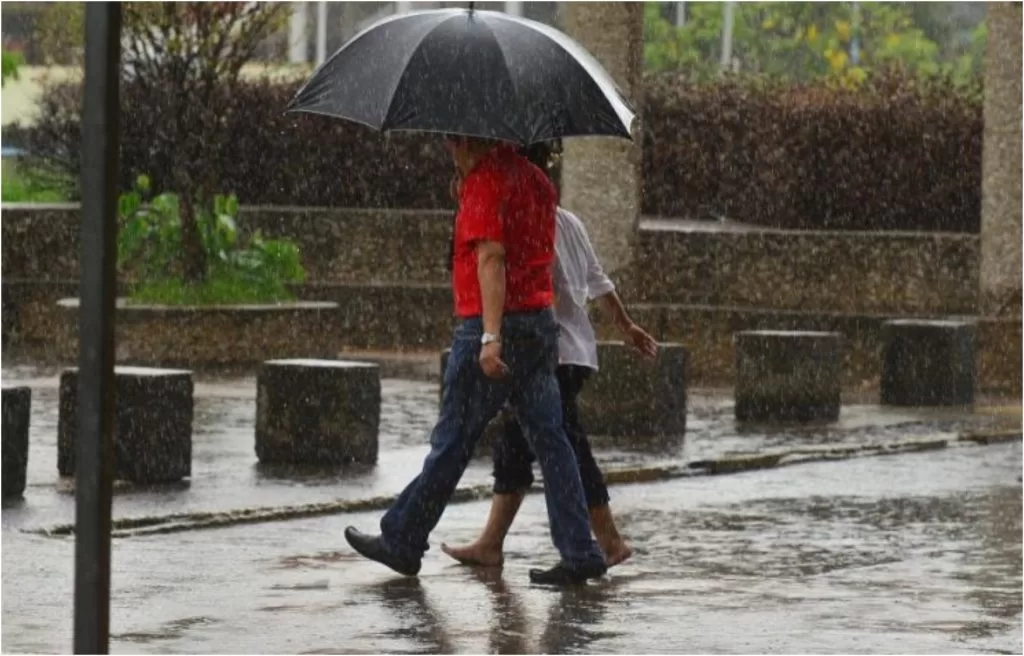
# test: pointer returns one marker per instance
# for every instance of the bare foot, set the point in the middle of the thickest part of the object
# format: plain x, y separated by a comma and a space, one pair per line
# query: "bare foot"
617, 552
476, 555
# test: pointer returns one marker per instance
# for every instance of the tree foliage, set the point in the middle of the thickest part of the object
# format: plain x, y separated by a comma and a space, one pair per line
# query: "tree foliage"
802, 40
60, 33
186, 57
12, 61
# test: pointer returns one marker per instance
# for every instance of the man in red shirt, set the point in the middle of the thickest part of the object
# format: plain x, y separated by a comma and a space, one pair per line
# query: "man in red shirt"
505, 349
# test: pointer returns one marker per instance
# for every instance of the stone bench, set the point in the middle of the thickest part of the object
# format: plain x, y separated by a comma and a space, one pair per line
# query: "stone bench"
628, 396
317, 412
17, 406
788, 375
928, 363
152, 424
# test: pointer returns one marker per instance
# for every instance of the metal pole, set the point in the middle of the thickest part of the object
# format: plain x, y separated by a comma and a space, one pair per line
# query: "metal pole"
728, 16
680, 14
855, 43
321, 32
93, 468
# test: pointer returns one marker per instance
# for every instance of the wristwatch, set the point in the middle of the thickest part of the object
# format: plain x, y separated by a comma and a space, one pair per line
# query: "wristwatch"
488, 338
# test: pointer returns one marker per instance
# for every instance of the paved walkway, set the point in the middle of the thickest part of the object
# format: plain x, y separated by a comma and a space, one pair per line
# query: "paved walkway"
913, 553
917, 553
227, 477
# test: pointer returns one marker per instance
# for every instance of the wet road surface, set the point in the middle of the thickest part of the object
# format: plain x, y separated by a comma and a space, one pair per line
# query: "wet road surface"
916, 553
226, 475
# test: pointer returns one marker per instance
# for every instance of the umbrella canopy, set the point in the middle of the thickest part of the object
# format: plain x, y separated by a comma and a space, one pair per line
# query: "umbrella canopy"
469, 72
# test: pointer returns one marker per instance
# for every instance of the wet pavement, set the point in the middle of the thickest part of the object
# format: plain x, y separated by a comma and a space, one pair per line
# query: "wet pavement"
917, 553
909, 554
226, 475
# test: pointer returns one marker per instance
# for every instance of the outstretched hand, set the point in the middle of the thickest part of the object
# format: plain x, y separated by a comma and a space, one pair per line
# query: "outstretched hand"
643, 343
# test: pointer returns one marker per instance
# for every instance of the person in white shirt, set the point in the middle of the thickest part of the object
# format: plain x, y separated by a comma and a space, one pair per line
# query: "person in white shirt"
578, 278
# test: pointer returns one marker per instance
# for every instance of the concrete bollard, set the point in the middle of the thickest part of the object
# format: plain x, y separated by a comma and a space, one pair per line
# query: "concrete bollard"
628, 396
317, 412
928, 363
633, 397
788, 375
17, 406
152, 425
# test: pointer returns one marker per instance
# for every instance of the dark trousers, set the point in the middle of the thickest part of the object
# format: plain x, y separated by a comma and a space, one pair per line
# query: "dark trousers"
468, 403
513, 460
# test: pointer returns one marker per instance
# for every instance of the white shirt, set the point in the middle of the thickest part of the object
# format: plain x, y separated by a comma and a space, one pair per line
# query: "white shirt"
578, 278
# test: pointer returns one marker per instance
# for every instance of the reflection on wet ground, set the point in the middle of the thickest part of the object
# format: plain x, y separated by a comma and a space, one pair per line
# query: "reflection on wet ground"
916, 553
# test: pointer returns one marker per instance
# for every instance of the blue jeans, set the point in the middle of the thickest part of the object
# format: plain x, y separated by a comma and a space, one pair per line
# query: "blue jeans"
469, 401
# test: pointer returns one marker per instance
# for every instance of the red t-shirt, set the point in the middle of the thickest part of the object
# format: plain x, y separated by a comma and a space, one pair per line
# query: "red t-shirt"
506, 199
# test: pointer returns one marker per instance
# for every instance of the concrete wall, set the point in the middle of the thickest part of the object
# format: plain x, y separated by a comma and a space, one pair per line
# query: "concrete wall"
698, 285
40, 242
901, 273
683, 262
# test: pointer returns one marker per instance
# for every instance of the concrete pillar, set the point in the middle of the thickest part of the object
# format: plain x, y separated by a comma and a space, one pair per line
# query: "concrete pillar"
298, 36
601, 179
1001, 163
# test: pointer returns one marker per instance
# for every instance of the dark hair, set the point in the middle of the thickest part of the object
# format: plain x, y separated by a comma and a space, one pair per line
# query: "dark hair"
540, 153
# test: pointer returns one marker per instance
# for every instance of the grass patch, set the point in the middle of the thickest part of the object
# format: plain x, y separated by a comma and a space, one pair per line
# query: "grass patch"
221, 289
17, 187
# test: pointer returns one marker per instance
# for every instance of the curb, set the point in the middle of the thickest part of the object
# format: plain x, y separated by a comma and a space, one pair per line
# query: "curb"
735, 464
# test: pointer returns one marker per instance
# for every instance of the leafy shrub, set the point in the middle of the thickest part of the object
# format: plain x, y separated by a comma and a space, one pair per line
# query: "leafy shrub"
273, 158
20, 186
889, 152
238, 270
10, 62
894, 153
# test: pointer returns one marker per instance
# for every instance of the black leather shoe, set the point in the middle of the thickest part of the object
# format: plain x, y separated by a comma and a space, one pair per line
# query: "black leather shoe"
370, 547
562, 575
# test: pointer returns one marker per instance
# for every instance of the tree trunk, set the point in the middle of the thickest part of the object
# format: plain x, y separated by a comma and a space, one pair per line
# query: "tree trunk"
193, 258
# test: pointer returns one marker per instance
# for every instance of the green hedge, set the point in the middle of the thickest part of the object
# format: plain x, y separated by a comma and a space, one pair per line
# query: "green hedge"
894, 154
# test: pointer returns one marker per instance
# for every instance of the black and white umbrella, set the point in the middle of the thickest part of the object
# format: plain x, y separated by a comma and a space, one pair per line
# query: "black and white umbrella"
468, 72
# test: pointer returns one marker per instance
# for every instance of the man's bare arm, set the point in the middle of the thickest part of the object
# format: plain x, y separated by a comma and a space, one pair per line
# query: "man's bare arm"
490, 271
636, 336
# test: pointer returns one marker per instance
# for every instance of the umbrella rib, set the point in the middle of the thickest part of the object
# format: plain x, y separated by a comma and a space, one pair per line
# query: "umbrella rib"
405, 63
616, 98
511, 78
345, 46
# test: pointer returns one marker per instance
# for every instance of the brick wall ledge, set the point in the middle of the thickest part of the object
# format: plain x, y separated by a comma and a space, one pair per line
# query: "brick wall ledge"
123, 306
663, 224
